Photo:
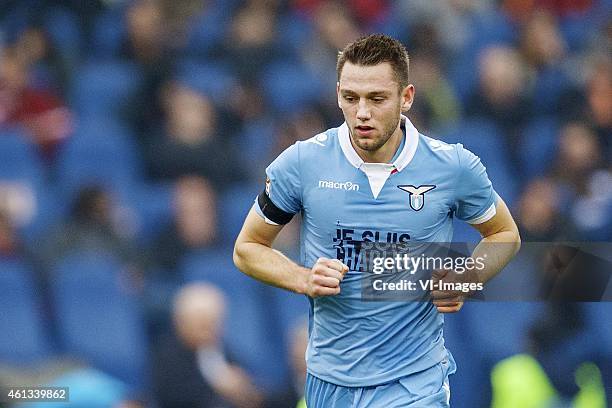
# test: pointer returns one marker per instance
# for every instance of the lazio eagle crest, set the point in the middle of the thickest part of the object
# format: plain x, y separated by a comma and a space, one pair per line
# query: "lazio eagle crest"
417, 194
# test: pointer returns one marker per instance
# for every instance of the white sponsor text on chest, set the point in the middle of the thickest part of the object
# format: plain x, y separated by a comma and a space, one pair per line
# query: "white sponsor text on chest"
348, 185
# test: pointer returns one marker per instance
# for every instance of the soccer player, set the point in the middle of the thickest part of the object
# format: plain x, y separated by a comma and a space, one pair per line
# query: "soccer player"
374, 178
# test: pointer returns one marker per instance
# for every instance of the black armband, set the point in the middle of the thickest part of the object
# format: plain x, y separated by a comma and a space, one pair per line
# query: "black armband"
271, 211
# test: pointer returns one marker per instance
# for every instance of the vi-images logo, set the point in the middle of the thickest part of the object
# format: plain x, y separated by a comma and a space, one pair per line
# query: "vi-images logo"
348, 185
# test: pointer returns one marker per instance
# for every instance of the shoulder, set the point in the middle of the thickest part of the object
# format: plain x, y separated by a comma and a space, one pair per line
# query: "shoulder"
438, 150
451, 153
320, 144
316, 147
305, 156
452, 156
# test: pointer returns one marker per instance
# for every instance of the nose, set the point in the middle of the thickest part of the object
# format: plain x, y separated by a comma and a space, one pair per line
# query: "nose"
363, 113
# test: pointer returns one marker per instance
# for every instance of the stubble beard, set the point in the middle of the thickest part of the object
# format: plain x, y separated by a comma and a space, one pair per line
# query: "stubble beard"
377, 143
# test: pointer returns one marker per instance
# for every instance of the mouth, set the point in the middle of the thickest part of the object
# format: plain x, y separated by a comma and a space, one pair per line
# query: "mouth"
364, 130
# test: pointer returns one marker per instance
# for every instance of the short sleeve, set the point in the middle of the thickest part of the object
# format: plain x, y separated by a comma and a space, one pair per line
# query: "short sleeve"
282, 196
475, 198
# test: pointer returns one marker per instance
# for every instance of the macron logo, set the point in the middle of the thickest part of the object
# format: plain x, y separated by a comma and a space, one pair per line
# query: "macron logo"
348, 186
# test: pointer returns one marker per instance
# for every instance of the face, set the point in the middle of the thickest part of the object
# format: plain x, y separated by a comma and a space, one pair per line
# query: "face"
199, 317
371, 100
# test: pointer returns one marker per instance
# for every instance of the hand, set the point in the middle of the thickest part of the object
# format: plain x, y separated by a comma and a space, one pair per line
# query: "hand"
450, 301
324, 278
234, 384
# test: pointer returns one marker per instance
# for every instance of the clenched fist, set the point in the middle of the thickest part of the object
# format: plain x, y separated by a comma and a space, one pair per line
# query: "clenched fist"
324, 277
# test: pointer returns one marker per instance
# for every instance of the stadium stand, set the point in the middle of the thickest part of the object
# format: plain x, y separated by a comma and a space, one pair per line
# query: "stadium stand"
86, 102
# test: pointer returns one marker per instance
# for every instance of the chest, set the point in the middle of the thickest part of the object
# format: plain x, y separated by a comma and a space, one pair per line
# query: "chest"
407, 203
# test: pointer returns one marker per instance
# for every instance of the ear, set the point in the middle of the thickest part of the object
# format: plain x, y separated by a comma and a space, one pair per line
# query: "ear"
407, 97
338, 94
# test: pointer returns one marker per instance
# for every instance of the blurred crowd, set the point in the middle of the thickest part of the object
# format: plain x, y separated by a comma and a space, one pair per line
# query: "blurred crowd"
134, 135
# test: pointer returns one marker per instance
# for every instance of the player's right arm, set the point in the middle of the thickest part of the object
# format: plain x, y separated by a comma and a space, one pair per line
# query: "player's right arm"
254, 255
274, 207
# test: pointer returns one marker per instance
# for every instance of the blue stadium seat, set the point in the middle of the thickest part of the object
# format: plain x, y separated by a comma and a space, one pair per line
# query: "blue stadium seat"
520, 280
153, 209
15, 20
234, 204
64, 30
98, 315
596, 326
293, 30
290, 309
257, 142
18, 157
479, 336
486, 29
109, 32
538, 146
508, 320
290, 86
214, 79
470, 368
250, 333
577, 29
88, 388
394, 23
22, 177
103, 88
481, 137
24, 339
101, 152
549, 88
215, 265
207, 30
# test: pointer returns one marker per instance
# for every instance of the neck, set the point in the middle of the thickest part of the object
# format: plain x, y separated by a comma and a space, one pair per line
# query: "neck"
385, 153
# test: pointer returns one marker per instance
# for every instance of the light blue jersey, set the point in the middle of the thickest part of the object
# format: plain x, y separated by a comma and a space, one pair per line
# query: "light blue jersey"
343, 202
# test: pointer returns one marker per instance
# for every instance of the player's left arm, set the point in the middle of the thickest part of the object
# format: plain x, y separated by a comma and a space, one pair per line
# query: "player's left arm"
500, 242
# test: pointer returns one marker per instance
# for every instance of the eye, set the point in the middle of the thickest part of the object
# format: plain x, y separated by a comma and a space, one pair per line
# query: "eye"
378, 99
349, 98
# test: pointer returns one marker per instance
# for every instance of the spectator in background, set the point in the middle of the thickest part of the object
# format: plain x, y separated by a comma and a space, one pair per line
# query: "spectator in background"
438, 105
251, 41
145, 42
334, 27
544, 49
579, 156
39, 110
599, 102
502, 95
451, 20
13, 249
49, 68
179, 15
541, 42
523, 9
191, 369
10, 246
366, 12
147, 45
299, 126
194, 225
191, 141
539, 214
581, 170
92, 226
248, 109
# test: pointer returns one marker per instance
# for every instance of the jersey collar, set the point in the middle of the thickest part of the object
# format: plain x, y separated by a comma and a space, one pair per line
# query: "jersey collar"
404, 158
